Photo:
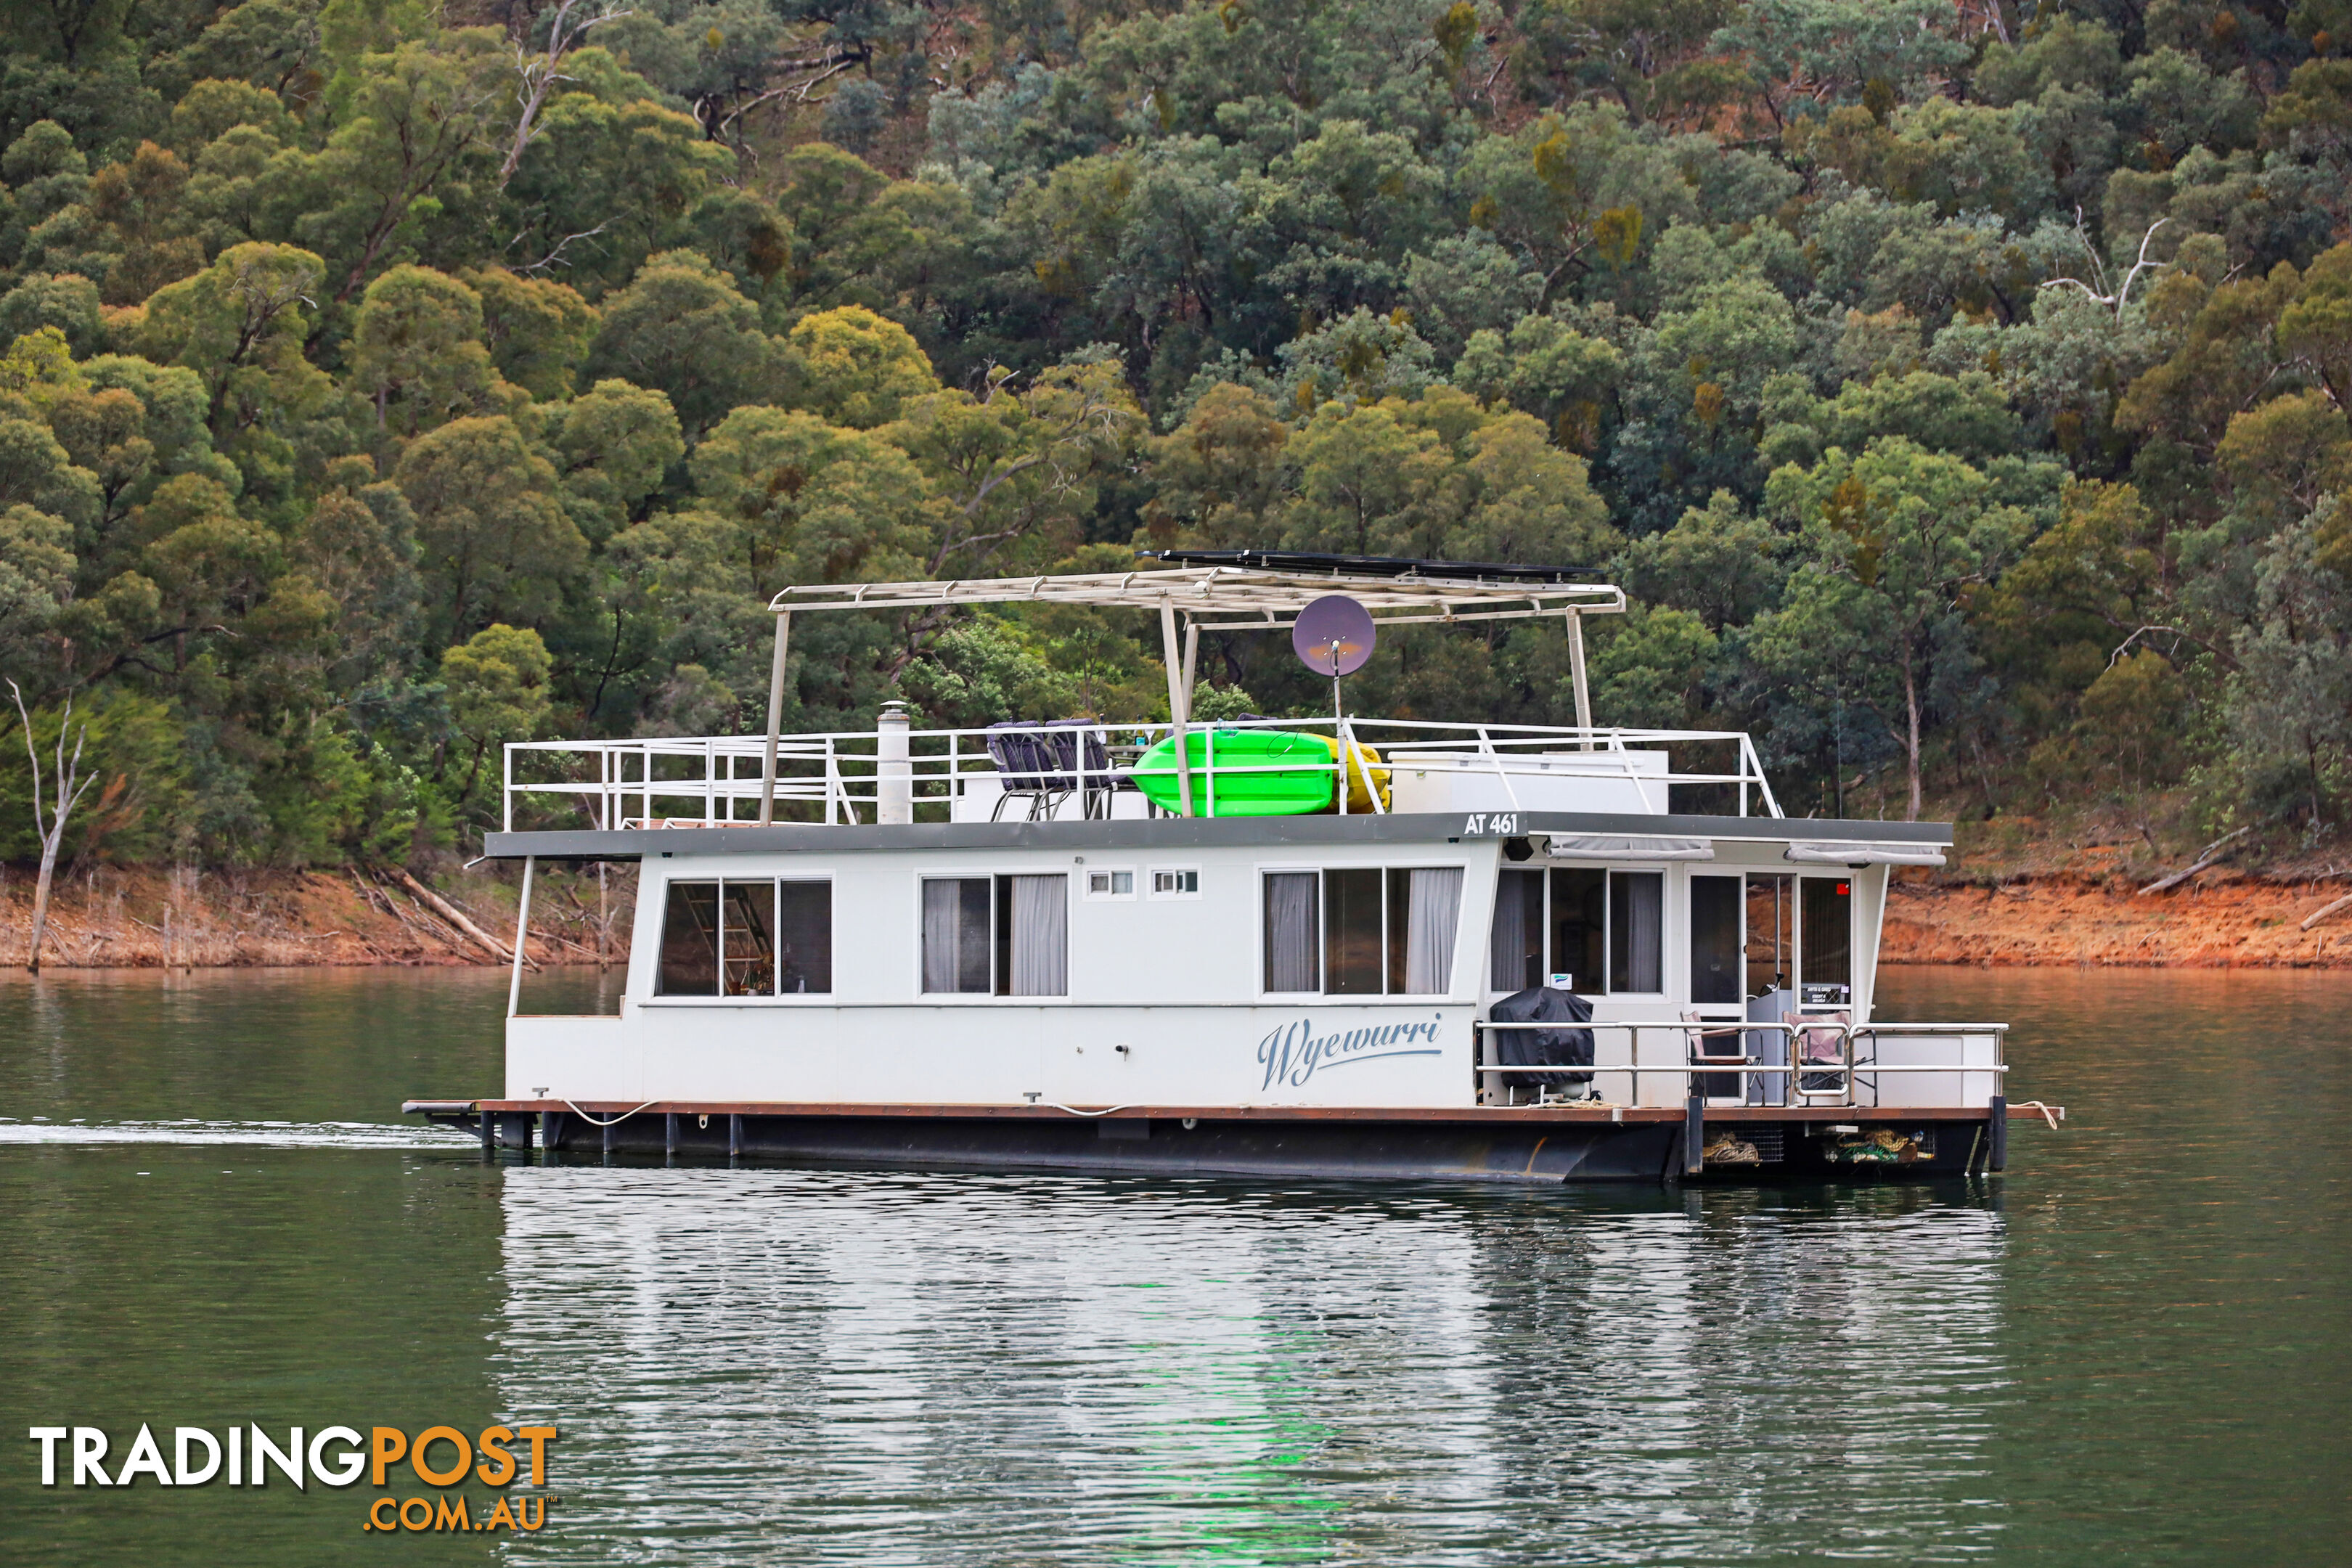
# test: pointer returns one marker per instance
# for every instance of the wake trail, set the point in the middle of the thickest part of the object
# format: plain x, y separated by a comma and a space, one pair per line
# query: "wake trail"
250, 1134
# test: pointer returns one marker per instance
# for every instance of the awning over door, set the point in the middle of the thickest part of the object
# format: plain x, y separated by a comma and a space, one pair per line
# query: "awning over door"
1867, 854
1624, 846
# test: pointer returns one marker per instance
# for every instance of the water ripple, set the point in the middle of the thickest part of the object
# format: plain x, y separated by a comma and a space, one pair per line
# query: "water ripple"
873, 1368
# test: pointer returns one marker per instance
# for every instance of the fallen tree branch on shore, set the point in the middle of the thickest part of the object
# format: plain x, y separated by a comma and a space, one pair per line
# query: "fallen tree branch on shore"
2317, 915
2205, 857
375, 894
457, 917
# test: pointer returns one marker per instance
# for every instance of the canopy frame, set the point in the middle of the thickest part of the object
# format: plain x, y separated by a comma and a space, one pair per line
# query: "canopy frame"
1191, 599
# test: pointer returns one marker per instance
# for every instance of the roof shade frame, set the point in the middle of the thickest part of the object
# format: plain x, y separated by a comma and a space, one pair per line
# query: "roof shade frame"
1228, 598
1190, 600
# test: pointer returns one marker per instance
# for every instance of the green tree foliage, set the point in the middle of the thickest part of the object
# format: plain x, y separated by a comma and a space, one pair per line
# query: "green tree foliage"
1962, 398
496, 681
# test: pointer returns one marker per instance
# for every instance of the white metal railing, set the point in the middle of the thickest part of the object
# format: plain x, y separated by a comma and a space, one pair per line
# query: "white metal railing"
1805, 1075
839, 777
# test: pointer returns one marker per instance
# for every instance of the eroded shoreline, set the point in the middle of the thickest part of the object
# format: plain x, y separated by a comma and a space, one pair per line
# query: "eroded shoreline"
2221, 918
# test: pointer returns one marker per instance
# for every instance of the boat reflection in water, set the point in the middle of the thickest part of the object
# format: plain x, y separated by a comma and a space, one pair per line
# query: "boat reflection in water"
796, 1366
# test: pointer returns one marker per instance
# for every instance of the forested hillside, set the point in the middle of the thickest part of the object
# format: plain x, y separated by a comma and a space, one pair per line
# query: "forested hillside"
1959, 388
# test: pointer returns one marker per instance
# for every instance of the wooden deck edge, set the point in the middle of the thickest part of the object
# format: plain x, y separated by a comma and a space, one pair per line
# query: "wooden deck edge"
1602, 1115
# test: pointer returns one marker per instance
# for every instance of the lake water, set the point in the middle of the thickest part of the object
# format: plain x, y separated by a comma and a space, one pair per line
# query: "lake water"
2131, 1349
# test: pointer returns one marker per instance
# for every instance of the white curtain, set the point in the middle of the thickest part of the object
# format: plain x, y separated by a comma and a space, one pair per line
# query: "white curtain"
1433, 916
1040, 936
1293, 927
942, 899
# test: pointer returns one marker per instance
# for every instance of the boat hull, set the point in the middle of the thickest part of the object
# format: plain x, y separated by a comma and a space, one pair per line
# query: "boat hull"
1525, 1153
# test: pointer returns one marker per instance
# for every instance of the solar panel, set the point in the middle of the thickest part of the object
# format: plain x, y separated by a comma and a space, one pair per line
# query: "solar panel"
1373, 565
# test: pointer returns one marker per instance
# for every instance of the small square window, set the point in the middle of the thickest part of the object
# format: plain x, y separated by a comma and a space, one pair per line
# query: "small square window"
1175, 884
1110, 884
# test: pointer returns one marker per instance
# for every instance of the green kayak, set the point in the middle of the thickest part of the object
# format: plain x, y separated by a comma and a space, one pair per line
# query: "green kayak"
1280, 791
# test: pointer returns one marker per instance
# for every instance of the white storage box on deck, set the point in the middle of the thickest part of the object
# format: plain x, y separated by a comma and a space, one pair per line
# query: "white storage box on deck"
1623, 782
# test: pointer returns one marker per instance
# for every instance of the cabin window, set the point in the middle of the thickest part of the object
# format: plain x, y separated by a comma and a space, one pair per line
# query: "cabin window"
690, 948
1825, 942
1294, 922
1637, 931
803, 938
746, 939
1579, 929
1170, 883
1114, 885
1714, 941
1004, 936
1771, 942
1362, 931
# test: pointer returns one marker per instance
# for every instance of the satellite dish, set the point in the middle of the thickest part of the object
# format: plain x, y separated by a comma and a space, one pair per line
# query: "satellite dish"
1333, 635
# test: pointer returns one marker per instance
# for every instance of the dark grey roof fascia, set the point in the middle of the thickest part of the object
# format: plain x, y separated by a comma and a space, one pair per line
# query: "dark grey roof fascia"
1176, 833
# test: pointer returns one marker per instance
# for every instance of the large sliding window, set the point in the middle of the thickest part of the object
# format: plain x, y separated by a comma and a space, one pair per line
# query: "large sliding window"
1579, 929
1003, 936
746, 938
1362, 930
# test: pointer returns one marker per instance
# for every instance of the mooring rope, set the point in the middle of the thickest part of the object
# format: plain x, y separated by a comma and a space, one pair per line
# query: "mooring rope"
614, 1123
2037, 1105
1075, 1111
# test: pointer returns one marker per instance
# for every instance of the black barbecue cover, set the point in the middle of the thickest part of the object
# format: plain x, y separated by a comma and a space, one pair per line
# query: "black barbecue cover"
1543, 1048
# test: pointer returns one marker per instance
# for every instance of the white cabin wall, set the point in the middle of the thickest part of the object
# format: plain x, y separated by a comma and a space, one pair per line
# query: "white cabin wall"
1176, 980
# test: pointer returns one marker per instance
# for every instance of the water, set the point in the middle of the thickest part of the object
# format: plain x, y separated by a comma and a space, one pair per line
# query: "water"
2131, 1349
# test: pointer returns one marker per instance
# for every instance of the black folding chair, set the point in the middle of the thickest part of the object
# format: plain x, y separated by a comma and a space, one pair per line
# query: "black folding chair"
1028, 760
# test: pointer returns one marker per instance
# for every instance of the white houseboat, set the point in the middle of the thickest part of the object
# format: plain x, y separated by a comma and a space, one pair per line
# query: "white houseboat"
1503, 952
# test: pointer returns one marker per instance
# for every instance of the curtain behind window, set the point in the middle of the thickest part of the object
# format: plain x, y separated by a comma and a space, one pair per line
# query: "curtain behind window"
1515, 959
1294, 932
1637, 931
940, 934
1433, 916
1040, 936
955, 933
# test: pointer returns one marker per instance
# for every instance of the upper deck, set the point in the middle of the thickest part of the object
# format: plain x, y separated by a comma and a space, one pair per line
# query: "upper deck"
1079, 780
896, 788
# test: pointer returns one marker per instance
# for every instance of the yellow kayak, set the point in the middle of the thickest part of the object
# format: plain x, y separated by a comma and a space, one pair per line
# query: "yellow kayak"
1362, 761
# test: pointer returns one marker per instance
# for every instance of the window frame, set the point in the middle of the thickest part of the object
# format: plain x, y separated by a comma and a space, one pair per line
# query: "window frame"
999, 891
1176, 898
1088, 895
1609, 870
1386, 871
1798, 959
1856, 969
657, 998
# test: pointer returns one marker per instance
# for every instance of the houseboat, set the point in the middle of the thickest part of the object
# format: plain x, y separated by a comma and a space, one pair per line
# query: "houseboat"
1344, 946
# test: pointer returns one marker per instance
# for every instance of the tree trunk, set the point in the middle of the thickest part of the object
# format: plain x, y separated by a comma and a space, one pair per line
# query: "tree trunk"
41, 898
1911, 737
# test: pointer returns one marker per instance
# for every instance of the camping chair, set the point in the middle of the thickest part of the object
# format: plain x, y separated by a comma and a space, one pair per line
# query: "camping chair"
1822, 1044
1029, 761
1722, 1044
1085, 761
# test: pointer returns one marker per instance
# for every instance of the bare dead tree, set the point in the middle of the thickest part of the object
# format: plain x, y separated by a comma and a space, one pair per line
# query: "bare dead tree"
536, 75
2114, 298
52, 832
